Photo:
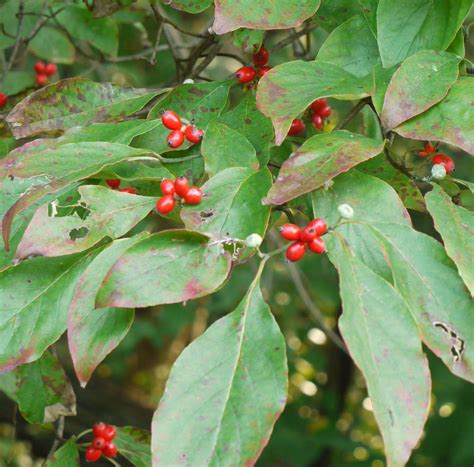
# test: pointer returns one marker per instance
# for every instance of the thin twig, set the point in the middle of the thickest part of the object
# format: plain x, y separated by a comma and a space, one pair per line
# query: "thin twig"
206, 62
313, 309
352, 113
294, 36
16, 47
58, 436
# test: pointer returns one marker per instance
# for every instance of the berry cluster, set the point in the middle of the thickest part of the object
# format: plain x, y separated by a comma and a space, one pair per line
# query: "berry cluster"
102, 444
319, 111
441, 159
114, 183
172, 121
247, 74
309, 237
43, 71
179, 188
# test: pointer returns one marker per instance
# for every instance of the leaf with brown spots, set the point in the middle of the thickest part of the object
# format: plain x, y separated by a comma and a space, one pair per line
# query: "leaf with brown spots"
74, 102
225, 391
190, 6
288, 89
262, 14
169, 267
450, 121
421, 81
318, 160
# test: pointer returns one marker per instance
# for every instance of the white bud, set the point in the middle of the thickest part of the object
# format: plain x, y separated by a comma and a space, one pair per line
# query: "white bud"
346, 211
188, 81
328, 184
438, 171
254, 240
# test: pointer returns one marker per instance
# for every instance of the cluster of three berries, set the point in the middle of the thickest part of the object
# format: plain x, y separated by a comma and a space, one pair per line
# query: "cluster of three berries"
441, 159
246, 74
180, 187
320, 111
102, 444
172, 121
43, 71
309, 237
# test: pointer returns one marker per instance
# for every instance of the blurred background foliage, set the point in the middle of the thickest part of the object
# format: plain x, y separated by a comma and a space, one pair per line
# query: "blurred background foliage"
328, 420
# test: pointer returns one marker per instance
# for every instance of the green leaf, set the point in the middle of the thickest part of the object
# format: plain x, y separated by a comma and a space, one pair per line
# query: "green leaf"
225, 391
382, 77
101, 33
405, 27
93, 334
450, 121
250, 122
168, 267
422, 81
202, 103
134, 444
54, 168
288, 89
352, 46
264, 14
383, 340
44, 392
456, 226
224, 147
74, 102
232, 205
190, 6
66, 456
17, 81
406, 188
334, 12
35, 297
53, 45
318, 160
248, 40
109, 214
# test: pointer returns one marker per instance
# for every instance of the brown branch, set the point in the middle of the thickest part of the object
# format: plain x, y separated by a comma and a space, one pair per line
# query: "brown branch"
16, 46
352, 113
294, 36
58, 436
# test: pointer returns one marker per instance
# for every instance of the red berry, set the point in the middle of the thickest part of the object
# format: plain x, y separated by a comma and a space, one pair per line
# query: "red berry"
167, 186
41, 79
444, 160
175, 139
171, 120
181, 186
317, 121
3, 99
245, 74
40, 68
165, 204
429, 148
326, 112
297, 126
193, 134
129, 190
93, 455
113, 183
317, 245
318, 105
296, 251
290, 232
110, 450
264, 70
110, 432
308, 234
98, 430
98, 443
50, 69
193, 196
319, 226
261, 57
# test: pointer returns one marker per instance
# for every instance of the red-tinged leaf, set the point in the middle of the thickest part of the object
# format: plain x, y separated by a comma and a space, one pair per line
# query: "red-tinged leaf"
263, 14
74, 102
190, 6
421, 81
318, 160
168, 267
93, 334
225, 391
450, 121
288, 89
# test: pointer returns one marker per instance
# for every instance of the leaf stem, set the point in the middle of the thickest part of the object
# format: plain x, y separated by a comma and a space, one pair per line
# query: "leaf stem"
352, 113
